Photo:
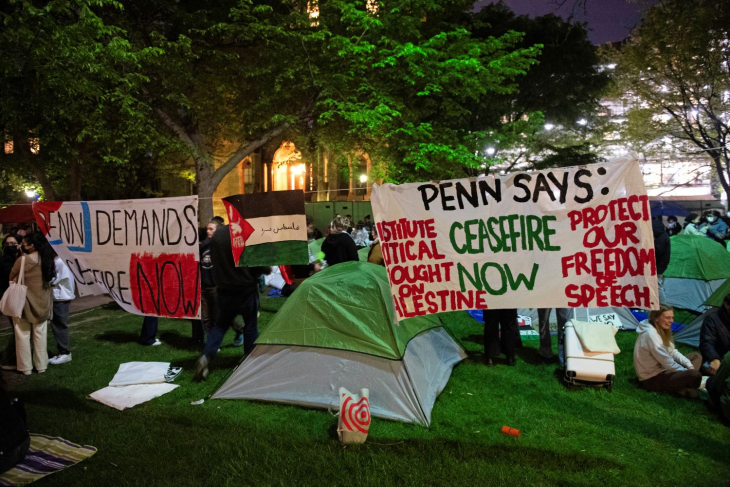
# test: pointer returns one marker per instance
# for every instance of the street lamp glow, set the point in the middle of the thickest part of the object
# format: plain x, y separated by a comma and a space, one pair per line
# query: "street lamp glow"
363, 178
490, 151
31, 193
583, 121
549, 126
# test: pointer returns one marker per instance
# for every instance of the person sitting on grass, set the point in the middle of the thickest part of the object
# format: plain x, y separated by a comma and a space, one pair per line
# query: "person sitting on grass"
659, 365
715, 337
718, 388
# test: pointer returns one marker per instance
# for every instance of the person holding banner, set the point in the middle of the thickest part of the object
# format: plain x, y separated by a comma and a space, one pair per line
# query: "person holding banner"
546, 348
496, 320
39, 272
237, 293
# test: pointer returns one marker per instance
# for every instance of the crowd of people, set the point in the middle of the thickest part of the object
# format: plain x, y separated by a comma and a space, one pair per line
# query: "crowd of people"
229, 291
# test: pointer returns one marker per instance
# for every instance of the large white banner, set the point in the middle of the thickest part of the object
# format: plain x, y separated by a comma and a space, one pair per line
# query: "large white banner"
571, 237
143, 253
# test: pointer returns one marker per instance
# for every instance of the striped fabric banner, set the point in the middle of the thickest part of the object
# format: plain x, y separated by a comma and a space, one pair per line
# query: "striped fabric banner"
268, 228
47, 454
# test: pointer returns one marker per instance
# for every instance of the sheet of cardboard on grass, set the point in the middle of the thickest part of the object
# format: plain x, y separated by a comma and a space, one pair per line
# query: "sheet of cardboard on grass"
568, 237
143, 253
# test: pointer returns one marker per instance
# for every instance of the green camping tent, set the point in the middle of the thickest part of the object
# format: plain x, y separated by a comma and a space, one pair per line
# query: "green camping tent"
338, 330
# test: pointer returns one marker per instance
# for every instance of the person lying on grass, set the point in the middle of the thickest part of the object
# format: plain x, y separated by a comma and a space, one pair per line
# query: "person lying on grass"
659, 365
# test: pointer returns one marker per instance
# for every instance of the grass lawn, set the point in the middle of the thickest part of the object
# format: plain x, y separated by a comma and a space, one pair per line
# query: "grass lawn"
569, 437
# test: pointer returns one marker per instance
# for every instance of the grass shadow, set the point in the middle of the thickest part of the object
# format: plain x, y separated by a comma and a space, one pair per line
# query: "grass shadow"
181, 342
118, 337
478, 339
64, 399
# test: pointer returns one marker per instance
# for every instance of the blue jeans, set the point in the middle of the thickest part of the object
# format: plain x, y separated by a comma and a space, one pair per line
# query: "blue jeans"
149, 331
230, 305
546, 347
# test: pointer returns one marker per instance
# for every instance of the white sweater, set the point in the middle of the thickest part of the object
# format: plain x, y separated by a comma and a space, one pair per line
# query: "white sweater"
652, 357
63, 283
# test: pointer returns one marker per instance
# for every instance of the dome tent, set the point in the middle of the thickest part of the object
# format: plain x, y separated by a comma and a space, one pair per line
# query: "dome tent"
697, 267
338, 330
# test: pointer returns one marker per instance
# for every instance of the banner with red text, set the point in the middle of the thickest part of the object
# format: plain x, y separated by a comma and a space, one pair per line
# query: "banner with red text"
143, 253
568, 237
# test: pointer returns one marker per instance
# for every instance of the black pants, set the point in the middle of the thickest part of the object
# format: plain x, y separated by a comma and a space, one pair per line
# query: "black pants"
231, 304
494, 342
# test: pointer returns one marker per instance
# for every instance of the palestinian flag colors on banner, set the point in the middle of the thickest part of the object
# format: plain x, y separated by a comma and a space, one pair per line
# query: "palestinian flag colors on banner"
268, 228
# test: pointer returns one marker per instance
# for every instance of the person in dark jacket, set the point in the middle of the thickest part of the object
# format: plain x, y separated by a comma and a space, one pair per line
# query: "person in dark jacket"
237, 293
673, 226
10, 249
208, 309
715, 337
339, 246
662, 253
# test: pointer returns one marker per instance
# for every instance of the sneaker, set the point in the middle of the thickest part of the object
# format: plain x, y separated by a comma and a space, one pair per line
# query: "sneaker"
9, 367
26, 372
60, 359
157, 342
238, 342
201, 369
41, 371
511, 361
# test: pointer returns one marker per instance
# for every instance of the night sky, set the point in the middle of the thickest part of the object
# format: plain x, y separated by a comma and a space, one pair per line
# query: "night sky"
608, 20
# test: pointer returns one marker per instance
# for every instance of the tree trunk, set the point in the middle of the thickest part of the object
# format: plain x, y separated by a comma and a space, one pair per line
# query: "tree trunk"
75, 179
206, 188
722, 174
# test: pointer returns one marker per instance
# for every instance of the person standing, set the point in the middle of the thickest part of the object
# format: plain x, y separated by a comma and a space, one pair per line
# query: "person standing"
237, 293
662, 253
39, 271
496, 321
63, 294
339, 247
148, 335
658, 364
546, 347
208, 306
10, 251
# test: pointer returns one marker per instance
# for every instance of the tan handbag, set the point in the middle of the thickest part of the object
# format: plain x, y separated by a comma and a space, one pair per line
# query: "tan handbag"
13, 300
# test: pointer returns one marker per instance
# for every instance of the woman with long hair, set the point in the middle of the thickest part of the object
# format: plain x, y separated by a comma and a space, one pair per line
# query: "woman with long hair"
659, 365
39, 272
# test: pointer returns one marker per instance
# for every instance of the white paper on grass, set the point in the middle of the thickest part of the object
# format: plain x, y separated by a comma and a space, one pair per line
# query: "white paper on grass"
125, 397
140, 373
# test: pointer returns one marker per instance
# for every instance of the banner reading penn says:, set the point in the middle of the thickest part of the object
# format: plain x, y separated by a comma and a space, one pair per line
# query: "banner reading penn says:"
569, 237
268, 228
143, 253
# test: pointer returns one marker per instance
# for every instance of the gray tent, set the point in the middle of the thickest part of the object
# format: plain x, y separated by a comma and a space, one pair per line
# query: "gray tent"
337, 330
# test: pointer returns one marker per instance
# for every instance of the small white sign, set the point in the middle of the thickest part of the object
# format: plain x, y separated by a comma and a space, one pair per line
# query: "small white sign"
608, 319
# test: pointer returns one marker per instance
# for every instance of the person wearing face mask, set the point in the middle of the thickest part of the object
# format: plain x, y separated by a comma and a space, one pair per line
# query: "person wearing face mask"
673, 227
716, 228
692, 226
658, 364
39, 273
10, 251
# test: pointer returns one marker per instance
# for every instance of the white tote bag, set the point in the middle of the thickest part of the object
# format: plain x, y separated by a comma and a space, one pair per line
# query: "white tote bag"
13, 300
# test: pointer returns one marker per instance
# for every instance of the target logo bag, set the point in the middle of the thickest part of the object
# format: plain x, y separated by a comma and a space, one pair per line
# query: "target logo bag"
354, 422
